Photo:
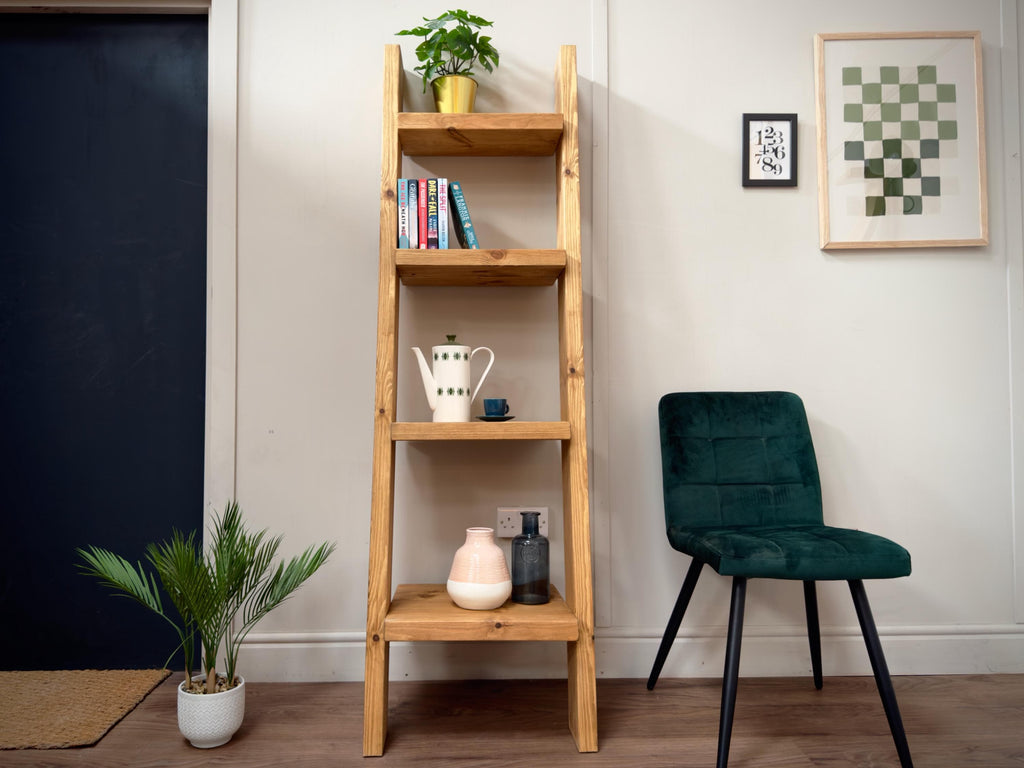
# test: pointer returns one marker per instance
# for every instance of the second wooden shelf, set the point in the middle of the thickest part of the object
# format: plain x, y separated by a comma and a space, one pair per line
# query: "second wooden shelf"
454, 266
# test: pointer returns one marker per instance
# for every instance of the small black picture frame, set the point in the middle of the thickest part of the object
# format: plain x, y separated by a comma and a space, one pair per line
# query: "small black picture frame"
769, 149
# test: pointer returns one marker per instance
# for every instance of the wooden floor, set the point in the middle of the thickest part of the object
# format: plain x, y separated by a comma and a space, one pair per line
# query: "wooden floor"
951, 721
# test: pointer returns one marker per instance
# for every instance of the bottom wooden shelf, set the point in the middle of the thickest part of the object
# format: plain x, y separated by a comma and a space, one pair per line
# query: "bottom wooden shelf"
425, 612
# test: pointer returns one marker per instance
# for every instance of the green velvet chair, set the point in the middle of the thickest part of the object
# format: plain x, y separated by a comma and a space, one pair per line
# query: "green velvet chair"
742, 495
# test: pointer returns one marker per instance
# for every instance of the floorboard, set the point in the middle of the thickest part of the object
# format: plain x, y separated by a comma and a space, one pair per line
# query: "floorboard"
951, 721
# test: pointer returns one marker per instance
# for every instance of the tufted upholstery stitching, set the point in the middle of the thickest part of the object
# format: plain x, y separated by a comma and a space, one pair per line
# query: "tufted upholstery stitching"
742, 492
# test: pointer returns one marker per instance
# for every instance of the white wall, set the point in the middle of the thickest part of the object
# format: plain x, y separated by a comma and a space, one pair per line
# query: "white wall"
901, 356
309, 122
904, 358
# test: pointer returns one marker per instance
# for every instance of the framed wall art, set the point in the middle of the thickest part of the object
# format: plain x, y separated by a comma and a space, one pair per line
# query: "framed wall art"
769, 150
901, 140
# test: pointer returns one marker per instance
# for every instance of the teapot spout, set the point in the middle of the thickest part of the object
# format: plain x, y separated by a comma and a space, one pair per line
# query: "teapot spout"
429, 385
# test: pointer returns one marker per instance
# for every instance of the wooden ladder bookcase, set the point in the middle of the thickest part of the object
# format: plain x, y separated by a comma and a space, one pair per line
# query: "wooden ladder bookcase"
423, 612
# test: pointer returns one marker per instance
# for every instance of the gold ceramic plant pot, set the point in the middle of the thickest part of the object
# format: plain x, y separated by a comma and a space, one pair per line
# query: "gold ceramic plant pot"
454, 93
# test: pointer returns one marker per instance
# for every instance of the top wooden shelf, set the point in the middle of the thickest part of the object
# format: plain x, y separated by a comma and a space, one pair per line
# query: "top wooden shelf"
479, 135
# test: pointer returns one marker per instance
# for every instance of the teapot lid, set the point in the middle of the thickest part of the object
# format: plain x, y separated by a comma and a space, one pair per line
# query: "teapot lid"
451, 340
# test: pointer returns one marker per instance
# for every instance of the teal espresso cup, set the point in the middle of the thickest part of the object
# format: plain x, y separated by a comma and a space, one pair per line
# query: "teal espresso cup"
495, 406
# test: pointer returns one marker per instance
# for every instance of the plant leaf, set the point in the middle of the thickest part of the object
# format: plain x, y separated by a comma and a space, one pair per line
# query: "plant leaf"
453, 51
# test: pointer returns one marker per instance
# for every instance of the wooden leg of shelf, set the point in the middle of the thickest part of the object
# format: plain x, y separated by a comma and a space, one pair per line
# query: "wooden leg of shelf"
375, 698
583, 694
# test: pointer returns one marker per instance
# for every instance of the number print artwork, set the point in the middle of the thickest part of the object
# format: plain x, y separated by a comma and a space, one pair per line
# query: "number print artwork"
770, 149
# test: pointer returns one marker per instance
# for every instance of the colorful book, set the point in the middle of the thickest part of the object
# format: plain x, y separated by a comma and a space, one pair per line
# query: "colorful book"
414, 214
442, 213
461, 222
432, 213
403, 213
421, 207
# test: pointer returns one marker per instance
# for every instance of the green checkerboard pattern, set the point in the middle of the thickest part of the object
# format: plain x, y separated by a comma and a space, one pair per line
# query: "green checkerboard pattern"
902, 121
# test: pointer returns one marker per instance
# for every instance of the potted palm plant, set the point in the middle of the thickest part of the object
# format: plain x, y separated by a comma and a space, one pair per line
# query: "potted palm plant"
447, 57
219, 595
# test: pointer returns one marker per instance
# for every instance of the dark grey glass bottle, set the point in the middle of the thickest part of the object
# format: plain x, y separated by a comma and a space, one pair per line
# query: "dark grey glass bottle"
530, 563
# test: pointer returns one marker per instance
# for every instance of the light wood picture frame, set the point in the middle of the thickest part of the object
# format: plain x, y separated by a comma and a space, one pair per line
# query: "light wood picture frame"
901, 140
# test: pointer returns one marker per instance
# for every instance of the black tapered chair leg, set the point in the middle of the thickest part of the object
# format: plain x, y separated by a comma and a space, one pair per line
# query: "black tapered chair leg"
730, 679
813, 630
685, 593
881, 670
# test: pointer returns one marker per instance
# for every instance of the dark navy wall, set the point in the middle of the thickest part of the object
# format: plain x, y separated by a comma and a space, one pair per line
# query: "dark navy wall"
102, 321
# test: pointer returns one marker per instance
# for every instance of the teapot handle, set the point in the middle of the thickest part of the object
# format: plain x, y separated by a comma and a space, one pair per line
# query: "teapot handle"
484, 374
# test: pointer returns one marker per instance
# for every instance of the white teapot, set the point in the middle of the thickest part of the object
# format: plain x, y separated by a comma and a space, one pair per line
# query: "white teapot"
448, 387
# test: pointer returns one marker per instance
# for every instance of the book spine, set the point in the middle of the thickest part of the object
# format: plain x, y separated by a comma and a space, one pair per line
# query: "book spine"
442, 213
414, 212
461, 221
403, 214
432, 213
421, 198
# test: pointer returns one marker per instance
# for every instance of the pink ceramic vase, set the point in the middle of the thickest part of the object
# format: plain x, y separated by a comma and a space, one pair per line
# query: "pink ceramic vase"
479, 579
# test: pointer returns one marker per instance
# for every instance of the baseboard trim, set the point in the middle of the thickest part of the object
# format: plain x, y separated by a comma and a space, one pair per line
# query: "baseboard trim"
629, 652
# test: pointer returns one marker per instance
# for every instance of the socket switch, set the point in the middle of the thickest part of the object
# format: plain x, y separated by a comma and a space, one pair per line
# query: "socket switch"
510, 522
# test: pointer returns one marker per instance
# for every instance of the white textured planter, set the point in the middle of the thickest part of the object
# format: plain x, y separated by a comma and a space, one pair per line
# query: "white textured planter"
210, 719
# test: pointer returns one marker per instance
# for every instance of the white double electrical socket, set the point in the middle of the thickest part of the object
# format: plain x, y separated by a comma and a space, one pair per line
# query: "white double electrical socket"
510, 522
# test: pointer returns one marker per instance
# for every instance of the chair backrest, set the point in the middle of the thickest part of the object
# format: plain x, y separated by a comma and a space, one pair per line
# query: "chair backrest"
737, 459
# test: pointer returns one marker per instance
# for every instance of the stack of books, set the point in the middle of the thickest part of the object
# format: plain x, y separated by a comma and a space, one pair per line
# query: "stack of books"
424, 207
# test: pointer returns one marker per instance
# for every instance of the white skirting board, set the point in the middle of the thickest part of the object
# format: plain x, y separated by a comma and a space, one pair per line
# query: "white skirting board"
339, 656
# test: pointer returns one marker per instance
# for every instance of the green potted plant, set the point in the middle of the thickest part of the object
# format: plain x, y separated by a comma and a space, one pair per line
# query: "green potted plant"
447, 57
219, 595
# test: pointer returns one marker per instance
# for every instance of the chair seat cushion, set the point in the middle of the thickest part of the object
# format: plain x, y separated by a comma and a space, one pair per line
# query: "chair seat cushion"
804, 552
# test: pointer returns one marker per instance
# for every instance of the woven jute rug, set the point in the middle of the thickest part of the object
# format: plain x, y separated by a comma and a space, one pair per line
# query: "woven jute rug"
68, 708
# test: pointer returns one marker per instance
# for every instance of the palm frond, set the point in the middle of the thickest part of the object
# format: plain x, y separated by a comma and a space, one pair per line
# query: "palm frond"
233, 582
115, 572
127, 580
272, 590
